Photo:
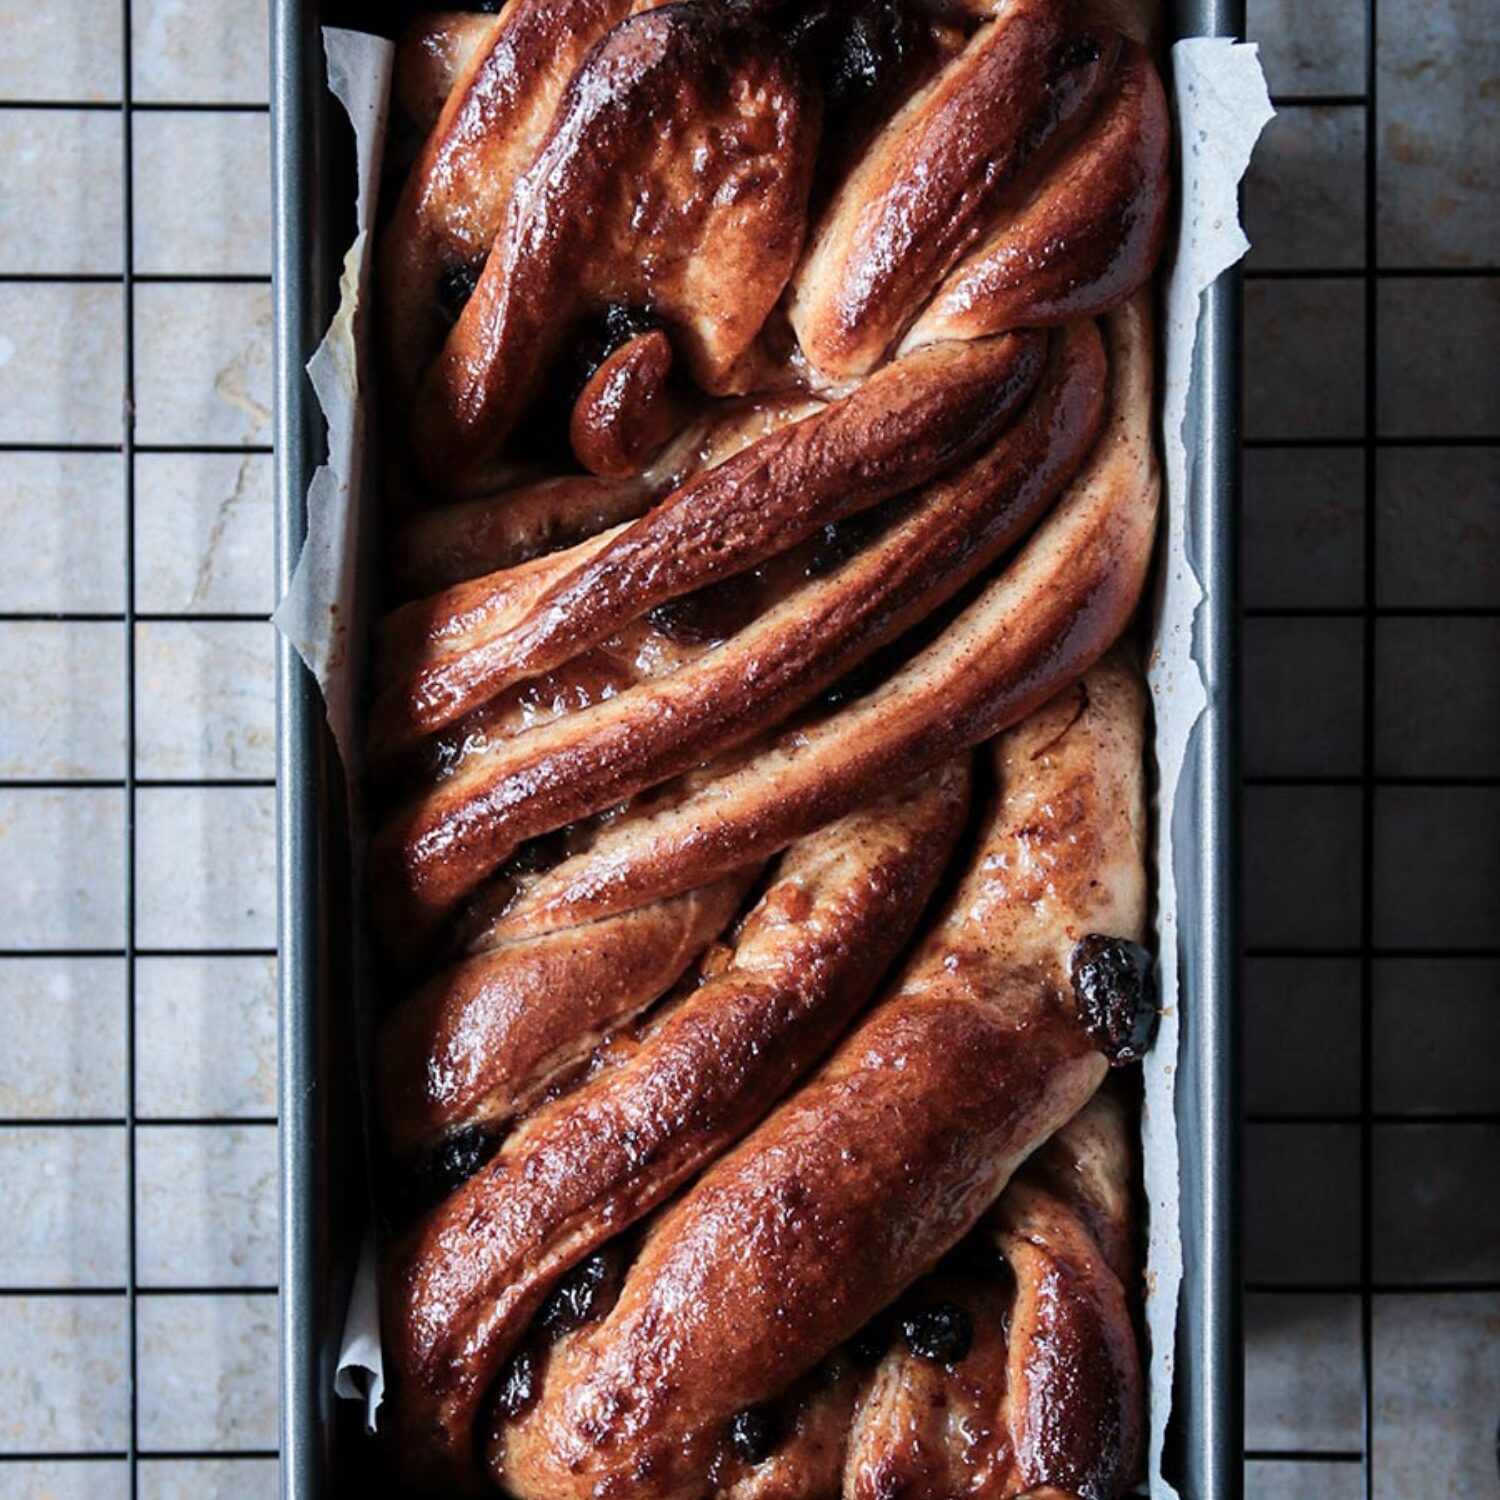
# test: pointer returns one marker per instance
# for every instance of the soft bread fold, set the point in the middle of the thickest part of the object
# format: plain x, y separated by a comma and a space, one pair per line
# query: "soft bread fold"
839, 907
879, 1165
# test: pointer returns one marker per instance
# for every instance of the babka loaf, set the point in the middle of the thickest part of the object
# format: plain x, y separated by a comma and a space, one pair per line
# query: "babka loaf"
768, 393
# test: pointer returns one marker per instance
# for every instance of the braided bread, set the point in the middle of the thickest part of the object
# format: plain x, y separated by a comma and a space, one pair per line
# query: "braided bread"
769, 395
1048, 1391
864, 1178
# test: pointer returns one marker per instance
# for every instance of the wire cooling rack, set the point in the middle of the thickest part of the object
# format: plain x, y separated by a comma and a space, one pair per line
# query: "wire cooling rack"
1436, 1418
100, 1463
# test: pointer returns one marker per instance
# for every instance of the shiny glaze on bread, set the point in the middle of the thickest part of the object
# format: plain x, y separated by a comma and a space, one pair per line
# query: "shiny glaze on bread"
769, 398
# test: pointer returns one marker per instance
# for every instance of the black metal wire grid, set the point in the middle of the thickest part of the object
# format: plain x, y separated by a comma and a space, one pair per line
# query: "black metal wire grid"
132, 1291
1369, 781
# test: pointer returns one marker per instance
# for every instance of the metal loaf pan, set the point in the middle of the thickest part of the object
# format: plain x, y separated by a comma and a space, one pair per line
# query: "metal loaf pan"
323, 1196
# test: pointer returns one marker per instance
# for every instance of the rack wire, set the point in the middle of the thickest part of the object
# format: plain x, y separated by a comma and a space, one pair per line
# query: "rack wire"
132, 1291
1368, 951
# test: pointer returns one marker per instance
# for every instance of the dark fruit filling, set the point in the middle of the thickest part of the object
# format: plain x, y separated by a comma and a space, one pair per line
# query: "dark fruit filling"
581, 1295
753, 1435
1114, 983
942, 1334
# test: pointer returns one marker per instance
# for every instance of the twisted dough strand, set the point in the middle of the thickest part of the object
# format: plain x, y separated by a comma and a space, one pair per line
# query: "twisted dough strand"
1050, 1391
488, 1036
895, 433
1056, 609
853, 450
455, 199
676, 172
863, 1179
947, 166
584, 1167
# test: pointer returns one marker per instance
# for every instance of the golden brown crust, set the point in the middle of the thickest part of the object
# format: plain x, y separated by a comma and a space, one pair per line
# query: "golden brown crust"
586, 1166
898, 431
1046, 1383
931, 182
455, 199
437, 549
808, 1458
637, 735
1081, 241
785, 1248
1074, 1378
625, 414
639, 654
1056, 609
487, 533
861, 1181
483, 1040
926, 1428
676, 174
853, 501
434, 52
1090, 1165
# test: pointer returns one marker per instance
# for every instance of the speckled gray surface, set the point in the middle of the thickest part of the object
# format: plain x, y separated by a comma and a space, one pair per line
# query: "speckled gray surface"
200, 1015
1338, 699
1372, 886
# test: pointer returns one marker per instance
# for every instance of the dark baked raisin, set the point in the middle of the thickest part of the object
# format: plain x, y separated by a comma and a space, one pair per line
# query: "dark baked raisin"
873, 52
942, 1334
517, 1387
581, 1295
859, 50
1114, 985
753, 1434
455, 287
451, 1165
1080, 51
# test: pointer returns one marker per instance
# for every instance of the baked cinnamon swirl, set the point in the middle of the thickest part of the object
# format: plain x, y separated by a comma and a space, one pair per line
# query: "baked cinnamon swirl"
760, 849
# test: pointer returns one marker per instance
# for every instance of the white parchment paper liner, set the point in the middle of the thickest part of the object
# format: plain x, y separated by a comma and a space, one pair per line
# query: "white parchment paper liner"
1221, 106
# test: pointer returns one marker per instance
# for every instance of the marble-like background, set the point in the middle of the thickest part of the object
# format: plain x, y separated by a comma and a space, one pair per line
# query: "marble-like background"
1371, 752
1372, 587
191, 1053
